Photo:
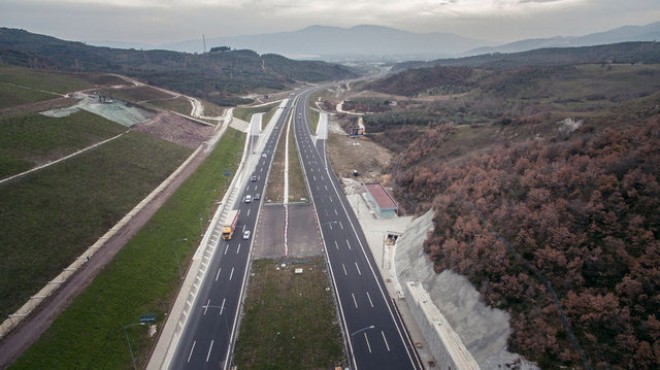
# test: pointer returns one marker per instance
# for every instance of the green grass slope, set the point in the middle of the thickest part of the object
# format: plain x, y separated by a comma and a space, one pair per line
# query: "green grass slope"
49, 217
142, 278
34, 139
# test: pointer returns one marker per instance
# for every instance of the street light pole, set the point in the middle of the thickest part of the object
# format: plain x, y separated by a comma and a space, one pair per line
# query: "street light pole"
363, 329
130, 348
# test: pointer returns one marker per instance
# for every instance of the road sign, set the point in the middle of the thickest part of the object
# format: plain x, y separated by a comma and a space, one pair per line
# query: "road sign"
147, 318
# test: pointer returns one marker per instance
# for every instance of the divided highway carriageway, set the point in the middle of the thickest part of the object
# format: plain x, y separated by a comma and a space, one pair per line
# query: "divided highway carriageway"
375, 335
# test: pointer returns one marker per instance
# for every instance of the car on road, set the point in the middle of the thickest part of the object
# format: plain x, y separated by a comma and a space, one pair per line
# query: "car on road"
248, 198
253, 178
257, 196
246, 234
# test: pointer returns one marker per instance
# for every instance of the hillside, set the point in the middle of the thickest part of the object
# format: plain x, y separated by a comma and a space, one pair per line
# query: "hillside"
626, 52
48, 217
545, 187
218, 76
576, 219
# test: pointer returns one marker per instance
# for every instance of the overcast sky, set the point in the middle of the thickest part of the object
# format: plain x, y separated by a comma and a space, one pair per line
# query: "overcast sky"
162, 21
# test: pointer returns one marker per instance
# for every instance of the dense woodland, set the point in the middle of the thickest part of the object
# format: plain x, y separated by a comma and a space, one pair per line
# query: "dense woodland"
625, 52
545, 181
576, 217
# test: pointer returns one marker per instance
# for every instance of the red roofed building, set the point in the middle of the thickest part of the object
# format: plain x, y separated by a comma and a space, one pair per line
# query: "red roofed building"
381, 201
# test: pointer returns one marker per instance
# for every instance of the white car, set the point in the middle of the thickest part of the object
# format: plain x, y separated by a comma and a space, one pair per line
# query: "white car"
246, 234
248, 198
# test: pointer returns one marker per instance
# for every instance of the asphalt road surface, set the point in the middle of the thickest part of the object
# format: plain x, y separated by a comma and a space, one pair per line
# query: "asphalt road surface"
208, 339
375, 334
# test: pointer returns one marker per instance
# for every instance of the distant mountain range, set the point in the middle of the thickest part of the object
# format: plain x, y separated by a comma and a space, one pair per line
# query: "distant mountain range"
650, 32
335, 43
370, 42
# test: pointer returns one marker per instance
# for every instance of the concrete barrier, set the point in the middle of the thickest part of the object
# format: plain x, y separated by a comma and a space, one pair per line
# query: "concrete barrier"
446, 346
178, 318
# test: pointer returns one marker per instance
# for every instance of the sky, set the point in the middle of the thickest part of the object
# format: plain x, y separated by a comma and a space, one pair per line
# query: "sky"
156, 22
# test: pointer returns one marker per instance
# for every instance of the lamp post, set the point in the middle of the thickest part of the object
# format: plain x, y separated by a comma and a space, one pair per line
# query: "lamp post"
130, 348
363, 329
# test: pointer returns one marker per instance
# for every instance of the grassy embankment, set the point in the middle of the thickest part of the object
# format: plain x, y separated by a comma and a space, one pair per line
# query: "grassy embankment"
29, 140
179, 104
143, 278
289, 320
49, 217
22, 85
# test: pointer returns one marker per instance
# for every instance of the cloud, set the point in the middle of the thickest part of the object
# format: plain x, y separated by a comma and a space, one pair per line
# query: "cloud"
376, 6
157, 21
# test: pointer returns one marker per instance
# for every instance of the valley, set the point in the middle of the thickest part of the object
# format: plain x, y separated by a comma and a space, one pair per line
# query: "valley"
533, 174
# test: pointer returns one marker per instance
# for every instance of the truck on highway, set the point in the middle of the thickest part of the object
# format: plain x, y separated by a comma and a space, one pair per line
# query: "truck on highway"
230, 225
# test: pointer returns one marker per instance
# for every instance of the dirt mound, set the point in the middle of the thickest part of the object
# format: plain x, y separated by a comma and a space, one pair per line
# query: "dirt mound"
176, 129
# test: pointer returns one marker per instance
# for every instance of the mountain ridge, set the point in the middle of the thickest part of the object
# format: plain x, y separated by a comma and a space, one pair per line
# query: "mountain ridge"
376, 42
322, 42
217, 76
649, 32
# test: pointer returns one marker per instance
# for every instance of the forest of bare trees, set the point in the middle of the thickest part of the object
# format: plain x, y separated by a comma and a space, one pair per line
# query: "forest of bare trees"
576, 217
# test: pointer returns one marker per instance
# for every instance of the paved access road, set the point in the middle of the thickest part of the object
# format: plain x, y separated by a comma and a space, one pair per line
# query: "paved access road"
373, 330
208, 339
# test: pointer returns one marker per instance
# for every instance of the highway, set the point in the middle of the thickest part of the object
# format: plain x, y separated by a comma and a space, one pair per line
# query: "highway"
375, 335
208, 339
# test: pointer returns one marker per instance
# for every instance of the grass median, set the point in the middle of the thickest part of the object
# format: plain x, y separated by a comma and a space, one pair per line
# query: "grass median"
289, 320
297, 186
143, 278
